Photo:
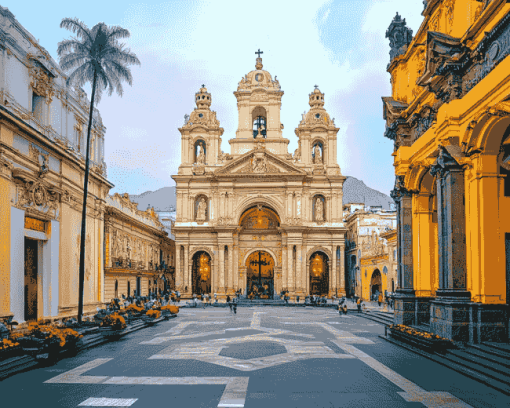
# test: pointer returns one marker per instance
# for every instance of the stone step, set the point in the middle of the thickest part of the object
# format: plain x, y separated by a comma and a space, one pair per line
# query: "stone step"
499, 367
16, 365
472, 365
374, 318
487, 356
491, 350
501, 347
460, 368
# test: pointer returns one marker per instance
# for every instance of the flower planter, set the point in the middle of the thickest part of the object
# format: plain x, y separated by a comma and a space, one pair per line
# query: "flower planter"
430, 345
151, 321
112, 332
10, 352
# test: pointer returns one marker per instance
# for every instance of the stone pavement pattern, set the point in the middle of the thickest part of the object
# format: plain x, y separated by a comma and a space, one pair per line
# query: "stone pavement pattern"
285, 357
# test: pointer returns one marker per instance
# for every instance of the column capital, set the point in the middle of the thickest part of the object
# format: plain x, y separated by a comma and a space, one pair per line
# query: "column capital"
399, 191
444, 163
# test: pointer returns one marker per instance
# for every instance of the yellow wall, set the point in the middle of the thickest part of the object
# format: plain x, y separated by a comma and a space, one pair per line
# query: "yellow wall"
5, 247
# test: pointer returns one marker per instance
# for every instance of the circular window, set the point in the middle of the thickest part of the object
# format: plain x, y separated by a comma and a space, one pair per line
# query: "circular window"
200, 115
318, 115
258, 77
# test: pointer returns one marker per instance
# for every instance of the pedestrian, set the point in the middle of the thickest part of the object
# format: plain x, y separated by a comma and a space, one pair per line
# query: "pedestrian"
379, 299
235, 305
358, 303
229, 302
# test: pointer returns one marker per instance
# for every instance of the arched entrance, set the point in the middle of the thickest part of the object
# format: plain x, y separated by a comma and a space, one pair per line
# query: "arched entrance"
375, 283
319, 274
201, 273
260, 275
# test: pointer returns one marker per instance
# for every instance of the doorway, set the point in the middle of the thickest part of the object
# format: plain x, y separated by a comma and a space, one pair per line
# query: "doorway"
201, 273
31, 257
260, 275
319, 274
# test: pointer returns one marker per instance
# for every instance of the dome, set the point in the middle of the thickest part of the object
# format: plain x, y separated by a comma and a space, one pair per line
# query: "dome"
258, 78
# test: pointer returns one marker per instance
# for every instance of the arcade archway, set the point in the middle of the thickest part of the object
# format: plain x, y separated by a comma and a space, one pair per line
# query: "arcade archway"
375, 283
201, 273
319, 274
260, 275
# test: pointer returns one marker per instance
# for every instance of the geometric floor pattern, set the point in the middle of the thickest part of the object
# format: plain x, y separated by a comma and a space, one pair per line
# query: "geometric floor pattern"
339, 345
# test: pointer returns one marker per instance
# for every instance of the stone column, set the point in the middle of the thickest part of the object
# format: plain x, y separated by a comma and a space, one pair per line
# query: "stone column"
341, 272
185, 271
450, 311
178, 269
290, 266
299, 270
298, 205
333, 281
221, 280
230, 286
285, 263
235, 262
404, 298
289, 204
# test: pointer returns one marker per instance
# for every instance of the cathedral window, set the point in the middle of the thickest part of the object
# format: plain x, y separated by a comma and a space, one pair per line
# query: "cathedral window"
259, 126
37, 106
319, 208
317, 115
200, 115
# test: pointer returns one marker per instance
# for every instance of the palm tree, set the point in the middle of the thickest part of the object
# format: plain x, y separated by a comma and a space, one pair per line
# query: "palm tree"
94, 55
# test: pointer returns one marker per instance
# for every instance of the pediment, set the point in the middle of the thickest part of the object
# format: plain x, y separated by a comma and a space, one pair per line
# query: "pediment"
259, 162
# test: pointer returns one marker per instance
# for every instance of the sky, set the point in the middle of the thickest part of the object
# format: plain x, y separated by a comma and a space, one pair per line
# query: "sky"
339, 45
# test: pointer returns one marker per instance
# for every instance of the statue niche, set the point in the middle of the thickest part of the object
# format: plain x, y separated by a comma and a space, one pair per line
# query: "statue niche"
200, 152
317, 153
201, 213
318, 209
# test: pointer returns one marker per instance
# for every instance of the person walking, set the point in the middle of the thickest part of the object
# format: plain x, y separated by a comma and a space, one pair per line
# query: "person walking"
379, 299
358, 303
235, 305
229, 302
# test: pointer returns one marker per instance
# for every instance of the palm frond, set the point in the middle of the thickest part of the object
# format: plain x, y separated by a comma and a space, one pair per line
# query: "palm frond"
76, 26
117, 32
71, 61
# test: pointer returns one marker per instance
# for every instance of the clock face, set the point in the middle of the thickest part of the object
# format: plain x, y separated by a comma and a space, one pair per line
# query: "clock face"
318, 115
200, 115
258, 77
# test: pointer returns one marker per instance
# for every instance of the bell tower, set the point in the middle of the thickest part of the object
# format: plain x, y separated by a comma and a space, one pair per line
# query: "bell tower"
317, 136
200, 136
259, 100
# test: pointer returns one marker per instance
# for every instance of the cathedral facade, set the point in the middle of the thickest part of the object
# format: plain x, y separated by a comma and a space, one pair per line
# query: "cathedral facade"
259, 220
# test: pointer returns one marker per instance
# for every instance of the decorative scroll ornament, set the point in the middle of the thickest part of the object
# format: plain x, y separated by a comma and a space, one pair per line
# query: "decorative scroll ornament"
36, 196
399, 189
42, 84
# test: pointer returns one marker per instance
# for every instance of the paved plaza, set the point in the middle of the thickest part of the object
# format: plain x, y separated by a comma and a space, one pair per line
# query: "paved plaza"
260, 357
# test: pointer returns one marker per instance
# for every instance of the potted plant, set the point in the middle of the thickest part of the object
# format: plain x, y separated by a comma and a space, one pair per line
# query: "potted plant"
113, 325
151, 317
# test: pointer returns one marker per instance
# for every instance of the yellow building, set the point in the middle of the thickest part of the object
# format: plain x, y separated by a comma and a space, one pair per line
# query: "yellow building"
449, 116
42, 141
139, 255
370, 250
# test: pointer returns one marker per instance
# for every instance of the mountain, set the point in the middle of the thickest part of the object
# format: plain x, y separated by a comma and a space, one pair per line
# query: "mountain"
161, 199
355, 191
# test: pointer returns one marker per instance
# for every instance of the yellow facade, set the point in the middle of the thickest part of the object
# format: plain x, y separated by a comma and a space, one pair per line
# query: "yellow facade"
449, 116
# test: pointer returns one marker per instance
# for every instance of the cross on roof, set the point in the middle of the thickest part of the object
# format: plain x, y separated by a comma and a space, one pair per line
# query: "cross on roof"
259, 52
316, 86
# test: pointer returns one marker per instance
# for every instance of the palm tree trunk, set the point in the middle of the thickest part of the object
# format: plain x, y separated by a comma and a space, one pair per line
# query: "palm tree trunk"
84, 211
